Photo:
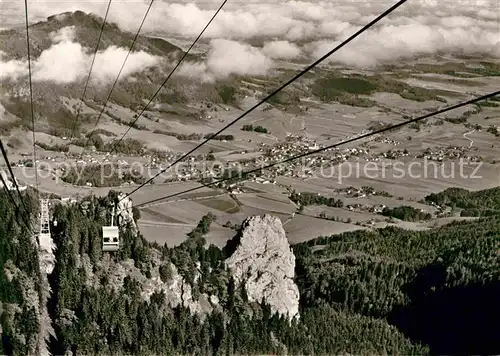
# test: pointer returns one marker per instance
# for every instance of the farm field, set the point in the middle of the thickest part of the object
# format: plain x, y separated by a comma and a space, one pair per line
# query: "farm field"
302, 228
416, 183
364, 105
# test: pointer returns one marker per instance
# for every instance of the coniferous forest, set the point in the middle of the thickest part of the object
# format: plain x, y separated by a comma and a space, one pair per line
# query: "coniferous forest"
388, 291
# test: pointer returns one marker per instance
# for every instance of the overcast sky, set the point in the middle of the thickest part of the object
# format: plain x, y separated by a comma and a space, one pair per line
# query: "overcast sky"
289, 30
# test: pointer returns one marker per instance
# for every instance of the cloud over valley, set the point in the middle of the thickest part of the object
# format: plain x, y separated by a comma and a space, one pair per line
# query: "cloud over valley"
249, 38
67, 61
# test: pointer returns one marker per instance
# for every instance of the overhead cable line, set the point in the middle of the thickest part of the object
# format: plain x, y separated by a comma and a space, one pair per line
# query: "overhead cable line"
14, 181
392, 127
9, 193
131, 124
118, 76
13, 200
116, 81
169, 75
90, 71
290, 81
31, 96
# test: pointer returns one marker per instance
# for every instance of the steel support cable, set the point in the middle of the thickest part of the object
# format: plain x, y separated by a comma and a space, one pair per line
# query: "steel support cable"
11, 197
392, 127
164, 82
276, 91
118, 76
9, 193
90, 72
116, 81
31, 97
14, 182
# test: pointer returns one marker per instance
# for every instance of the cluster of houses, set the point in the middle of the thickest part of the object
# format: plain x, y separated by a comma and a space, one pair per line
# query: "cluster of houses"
449, 153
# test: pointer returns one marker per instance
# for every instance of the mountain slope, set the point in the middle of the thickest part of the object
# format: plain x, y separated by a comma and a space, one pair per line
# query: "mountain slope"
150, 299
87, 28
62, 49
403, 291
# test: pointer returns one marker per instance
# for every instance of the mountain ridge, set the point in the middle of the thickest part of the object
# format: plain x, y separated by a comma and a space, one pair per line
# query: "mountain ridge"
55, 101
87, 26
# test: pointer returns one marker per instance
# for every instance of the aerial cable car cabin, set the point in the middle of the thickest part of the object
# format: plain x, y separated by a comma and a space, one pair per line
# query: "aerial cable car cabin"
110, 236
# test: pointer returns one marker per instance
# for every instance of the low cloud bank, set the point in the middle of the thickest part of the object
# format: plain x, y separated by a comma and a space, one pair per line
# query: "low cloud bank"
281, 50
67, 61
284, 20
287, 30
417, 27
226, 57
395, 42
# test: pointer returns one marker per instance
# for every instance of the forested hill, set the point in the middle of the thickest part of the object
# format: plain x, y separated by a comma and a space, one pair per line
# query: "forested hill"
439, 287
477, 203
389, 292
20, 290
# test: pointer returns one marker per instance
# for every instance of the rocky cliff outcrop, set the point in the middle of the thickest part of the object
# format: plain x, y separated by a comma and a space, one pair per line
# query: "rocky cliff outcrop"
264, 260
124, 211
176, 290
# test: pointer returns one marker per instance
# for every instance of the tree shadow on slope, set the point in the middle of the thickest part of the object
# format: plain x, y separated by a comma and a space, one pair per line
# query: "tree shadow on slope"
461, 320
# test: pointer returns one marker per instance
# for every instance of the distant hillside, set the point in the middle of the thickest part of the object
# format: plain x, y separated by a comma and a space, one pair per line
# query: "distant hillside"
87, 27
56, 101
417, 281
